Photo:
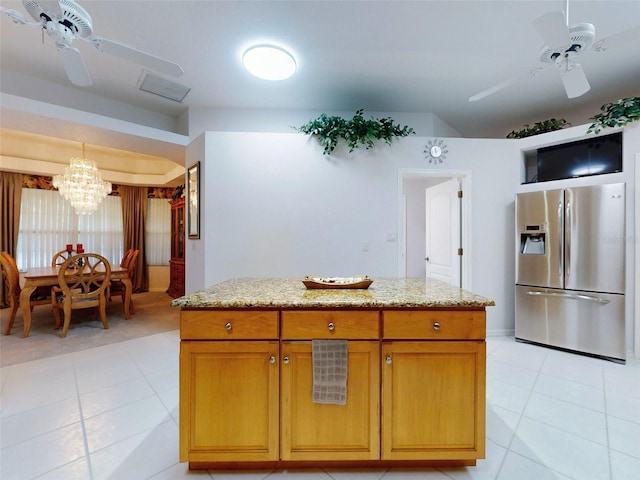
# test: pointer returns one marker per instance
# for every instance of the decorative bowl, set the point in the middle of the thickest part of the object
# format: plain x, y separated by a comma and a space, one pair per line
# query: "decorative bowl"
359, 282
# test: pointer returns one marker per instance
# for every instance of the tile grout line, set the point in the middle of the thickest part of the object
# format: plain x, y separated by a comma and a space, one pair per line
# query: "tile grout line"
531, 391
84, 430
606, 423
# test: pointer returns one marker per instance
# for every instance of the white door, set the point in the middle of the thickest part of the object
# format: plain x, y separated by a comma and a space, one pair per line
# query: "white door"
443, 232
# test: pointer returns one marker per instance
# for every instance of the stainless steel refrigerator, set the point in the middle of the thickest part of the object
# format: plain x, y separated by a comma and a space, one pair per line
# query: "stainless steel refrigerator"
570, 269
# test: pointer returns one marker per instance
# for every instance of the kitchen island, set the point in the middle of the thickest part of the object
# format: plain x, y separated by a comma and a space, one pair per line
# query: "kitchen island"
415, 375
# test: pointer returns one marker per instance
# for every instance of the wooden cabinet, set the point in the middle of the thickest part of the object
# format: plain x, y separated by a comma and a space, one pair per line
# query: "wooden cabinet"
176, 263
229, 398
433, 388
415, 388
313, 431
434, 400
229, 388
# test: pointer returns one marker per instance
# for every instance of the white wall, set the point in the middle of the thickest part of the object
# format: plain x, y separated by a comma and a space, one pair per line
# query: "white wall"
195, 252
277, 207
158, 278
203, 119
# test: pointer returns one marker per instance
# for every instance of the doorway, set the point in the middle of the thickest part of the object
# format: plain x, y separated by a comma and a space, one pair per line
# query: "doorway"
412, 228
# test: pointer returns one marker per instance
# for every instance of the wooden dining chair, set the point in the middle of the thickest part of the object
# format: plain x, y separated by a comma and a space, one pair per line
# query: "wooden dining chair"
41, 296
82, 281
59, 258
125, 257
117, 288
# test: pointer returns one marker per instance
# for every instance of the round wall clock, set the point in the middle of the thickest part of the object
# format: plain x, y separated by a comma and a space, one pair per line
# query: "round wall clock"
436, 151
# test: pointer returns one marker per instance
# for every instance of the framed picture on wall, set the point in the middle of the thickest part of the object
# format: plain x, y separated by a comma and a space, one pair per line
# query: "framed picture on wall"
193, 205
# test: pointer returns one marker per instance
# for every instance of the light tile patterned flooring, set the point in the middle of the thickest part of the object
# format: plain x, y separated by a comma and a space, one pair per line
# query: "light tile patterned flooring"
112, 413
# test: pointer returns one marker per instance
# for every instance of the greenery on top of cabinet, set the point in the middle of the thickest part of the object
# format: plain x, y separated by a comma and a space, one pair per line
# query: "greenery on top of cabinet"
545, 126
616, 114
356, 132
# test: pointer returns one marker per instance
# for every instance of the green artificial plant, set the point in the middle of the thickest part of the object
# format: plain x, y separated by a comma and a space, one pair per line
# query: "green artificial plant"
616, 114
539, 127
356, 132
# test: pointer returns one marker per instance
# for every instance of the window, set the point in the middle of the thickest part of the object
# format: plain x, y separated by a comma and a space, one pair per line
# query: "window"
158, 231
48, 223
103, 231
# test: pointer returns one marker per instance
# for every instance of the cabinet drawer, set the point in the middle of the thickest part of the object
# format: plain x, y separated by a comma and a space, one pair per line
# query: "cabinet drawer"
434, 325
228, 324
326, 324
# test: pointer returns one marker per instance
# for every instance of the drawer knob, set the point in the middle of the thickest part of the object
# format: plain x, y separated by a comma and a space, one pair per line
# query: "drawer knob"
436, 326
388, 360
285, 360
272, 359
228, 326
331, 326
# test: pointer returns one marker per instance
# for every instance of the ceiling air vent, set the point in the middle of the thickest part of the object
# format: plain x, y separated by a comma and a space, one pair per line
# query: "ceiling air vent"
161, 86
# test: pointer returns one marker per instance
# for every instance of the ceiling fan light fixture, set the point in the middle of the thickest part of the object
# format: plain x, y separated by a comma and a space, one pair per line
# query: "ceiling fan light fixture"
269, 62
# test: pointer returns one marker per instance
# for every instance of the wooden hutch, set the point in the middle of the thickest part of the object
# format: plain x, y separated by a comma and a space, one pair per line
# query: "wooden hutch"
176, 264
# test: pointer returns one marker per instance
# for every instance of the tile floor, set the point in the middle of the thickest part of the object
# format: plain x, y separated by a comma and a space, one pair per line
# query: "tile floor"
112, 413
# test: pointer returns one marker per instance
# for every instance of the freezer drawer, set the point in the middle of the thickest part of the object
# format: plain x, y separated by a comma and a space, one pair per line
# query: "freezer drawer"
586, 322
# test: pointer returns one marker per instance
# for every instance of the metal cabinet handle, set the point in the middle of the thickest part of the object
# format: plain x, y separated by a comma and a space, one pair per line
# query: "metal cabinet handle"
285, 360
388, 360
331, 326
228, 326
436, 326
573, 296
272, 359
567, 238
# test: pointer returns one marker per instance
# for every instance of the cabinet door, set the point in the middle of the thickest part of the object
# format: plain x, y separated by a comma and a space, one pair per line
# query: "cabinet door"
433, 400
228, 401
314, 431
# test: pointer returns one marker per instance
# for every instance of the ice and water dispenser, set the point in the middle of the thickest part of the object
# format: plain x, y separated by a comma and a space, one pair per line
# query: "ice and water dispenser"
532, 240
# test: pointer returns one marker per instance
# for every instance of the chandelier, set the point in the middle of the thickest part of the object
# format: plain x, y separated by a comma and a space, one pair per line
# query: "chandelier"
82, 185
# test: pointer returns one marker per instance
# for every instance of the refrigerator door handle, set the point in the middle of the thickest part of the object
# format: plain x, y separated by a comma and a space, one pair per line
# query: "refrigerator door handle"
567, 240
574, 296
560, 244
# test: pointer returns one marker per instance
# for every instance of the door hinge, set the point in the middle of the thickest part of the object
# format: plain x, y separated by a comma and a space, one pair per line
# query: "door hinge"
459, 193
460, 251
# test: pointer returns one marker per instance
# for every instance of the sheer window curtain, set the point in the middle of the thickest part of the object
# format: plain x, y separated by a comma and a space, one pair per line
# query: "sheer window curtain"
10, 198
158, 231
48, 222
102, 232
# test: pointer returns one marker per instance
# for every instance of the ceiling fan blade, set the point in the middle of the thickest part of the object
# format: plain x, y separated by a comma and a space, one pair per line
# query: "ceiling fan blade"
503, 85
574, 80
136, 56
492, 90
618, 39
553, 29
52, 6
74, 66
16, 16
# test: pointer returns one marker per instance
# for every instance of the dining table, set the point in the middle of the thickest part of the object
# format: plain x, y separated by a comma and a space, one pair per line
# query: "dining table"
48, 276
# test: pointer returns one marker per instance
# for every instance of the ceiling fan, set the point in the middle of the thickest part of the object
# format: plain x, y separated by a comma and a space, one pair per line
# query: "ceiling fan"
563, 44
65, 20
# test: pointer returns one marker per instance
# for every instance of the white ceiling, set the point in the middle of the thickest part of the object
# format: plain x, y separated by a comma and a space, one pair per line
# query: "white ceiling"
383, 56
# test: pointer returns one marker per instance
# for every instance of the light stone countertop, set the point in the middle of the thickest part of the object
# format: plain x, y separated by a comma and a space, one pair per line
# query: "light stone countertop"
291, 293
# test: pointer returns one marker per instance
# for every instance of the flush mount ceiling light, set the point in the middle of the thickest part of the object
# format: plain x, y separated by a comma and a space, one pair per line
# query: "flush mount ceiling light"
269, 62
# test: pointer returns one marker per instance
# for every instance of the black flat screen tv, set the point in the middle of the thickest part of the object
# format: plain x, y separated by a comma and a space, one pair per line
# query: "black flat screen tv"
593, 156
